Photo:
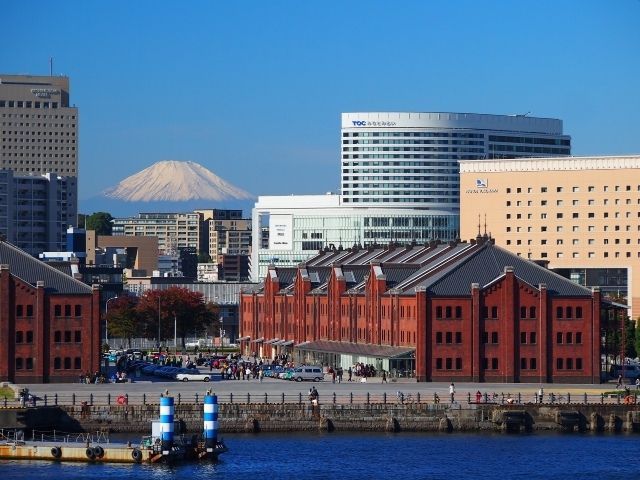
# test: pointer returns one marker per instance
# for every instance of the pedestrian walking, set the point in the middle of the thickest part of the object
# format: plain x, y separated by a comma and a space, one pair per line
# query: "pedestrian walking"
350, 372
384, 376
638, 383
452, 392
619, 385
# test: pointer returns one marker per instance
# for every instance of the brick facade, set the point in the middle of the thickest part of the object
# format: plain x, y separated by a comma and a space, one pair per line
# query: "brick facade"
505, 330
46, 334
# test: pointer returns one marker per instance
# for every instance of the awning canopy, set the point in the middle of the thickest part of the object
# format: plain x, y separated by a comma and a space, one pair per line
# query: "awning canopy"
272, 341
258, 340
287, 343
243, 339
377, 351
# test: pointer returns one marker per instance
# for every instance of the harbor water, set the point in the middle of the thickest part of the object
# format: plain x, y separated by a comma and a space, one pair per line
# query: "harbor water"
355, 456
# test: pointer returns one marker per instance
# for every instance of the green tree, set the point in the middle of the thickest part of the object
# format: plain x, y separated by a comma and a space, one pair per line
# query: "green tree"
613, 339
123, 318
100, 222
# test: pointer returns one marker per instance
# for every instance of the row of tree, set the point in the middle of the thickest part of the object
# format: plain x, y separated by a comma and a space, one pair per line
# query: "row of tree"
157, 312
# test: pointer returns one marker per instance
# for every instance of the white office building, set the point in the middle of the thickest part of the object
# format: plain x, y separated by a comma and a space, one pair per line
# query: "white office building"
301, 225
407, 159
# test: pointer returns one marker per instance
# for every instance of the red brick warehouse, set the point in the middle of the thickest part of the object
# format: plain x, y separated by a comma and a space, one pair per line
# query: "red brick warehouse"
49, 322
468, 311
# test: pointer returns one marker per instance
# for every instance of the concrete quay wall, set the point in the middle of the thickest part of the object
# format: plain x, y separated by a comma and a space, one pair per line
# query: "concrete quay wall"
423, 417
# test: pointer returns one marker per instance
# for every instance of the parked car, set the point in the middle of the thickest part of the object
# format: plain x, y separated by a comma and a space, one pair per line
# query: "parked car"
308, 373
193, 377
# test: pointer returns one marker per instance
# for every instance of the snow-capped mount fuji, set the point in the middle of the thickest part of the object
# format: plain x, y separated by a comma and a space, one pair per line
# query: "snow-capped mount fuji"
175, 181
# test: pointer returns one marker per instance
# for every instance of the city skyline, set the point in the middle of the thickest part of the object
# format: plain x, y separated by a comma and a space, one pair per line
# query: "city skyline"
244, 88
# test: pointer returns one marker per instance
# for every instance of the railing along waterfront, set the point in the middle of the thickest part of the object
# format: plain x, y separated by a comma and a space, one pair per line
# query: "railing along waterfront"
359, 398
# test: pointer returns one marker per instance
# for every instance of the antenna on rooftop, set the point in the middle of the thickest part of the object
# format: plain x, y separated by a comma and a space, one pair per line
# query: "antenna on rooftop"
478, 224
485, 224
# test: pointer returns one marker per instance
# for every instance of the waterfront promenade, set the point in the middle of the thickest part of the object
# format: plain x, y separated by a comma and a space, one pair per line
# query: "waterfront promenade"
148, 390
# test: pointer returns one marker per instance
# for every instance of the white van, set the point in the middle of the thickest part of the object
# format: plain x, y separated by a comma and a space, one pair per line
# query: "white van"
308, 373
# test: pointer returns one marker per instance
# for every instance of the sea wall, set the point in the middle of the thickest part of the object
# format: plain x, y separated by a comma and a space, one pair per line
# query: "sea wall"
334, 417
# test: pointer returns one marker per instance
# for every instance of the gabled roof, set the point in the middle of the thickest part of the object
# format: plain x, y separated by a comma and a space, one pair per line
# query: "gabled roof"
442, 269
31, 270
488, 264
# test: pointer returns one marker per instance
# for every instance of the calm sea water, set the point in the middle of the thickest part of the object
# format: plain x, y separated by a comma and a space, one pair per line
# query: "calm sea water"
381, 456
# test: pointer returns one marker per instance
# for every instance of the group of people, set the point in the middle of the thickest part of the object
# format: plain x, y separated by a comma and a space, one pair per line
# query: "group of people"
94, 378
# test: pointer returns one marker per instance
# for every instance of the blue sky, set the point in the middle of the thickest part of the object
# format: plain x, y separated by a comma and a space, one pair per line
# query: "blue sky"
254, 90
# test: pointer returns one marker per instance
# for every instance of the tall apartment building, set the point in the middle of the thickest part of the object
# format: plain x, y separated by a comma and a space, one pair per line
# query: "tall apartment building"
408, 159
579, 214
38, 161
227, 232
39, 128
173, 230
35, 211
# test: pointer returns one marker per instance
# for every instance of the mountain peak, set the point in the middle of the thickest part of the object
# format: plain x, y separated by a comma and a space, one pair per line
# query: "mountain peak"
173, 180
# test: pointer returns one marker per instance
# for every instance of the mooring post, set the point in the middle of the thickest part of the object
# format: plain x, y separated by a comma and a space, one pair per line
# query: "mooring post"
231, 397
196, 398
519, 397
144, 398
91, 399
45, 400
73, 399
568, 397
384, 398
266, 397
179, 398
282, 397
55, 399
585, 398
418, 397
602, 398
300, 398
108, 399
367, 398
126, 399
351, 398
248, 398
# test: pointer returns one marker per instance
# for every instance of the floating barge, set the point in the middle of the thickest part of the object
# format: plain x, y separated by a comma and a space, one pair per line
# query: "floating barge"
162, 446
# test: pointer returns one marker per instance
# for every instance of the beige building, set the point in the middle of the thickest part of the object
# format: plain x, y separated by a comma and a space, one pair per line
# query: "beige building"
227, 232
39, 128
580, 214
173, 230
141, 252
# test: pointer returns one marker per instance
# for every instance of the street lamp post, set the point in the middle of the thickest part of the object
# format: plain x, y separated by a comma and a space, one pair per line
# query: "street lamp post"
221, 333
159, 323
106, 320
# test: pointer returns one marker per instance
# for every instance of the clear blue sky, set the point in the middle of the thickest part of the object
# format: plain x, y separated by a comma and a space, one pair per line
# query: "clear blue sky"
254, 90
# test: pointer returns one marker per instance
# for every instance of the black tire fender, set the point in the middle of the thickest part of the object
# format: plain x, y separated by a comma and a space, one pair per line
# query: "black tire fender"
56, 452
136, 454
89, 453
98, 451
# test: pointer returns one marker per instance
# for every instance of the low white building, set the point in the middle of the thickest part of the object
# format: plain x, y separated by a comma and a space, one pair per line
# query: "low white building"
300, 225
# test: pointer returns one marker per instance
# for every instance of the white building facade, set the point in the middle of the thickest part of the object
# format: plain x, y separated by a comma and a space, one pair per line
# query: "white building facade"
407, 159
301, 225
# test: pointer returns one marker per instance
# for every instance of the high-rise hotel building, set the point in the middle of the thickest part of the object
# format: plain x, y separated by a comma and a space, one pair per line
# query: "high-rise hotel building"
38, 161
580, 215
39, 128
408, 159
